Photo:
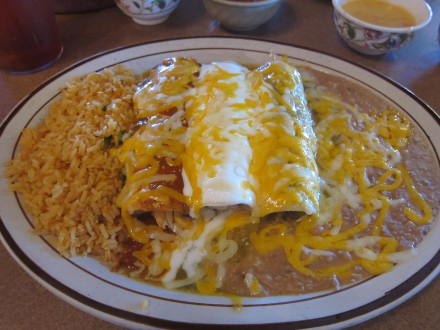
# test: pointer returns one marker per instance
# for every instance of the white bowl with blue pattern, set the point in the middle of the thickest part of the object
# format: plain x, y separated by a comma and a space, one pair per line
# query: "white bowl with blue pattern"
374, 39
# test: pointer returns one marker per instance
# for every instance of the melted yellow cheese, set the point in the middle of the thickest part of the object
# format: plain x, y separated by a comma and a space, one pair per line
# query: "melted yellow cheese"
165, 87
350, 144
250, 140
242, 137
285, 145
252, 283
217, 154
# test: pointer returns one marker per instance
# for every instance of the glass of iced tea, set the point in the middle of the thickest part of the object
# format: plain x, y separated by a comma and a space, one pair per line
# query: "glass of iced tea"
29, 38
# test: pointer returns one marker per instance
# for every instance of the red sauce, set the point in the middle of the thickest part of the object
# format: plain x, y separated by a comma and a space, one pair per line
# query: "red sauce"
177, 184
126, 258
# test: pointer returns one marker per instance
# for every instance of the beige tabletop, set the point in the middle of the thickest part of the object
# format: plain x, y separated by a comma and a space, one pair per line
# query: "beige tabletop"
25, 304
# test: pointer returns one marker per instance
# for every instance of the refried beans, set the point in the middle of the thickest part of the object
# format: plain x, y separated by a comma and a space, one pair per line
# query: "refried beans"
275, 275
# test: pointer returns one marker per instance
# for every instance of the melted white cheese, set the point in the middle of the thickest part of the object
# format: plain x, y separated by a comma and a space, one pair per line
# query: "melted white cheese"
190, 253
222, 122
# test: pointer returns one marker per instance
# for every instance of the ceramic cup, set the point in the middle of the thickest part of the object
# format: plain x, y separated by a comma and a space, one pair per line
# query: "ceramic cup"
148, 12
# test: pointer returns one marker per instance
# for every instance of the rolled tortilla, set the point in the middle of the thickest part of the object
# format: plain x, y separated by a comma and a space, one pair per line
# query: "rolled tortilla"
224, 136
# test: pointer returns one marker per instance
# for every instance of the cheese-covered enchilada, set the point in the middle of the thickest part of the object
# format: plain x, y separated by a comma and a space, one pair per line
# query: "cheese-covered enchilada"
219, 138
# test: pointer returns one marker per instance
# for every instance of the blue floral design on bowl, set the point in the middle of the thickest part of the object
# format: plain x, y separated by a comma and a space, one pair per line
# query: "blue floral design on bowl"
369, 41
148, 12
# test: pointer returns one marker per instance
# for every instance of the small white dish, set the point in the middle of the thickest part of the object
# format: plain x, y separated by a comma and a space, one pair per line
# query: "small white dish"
242, 15
374, 39
148, 12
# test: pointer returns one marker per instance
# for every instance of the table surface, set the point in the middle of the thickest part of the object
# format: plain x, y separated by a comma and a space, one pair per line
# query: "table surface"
308, 23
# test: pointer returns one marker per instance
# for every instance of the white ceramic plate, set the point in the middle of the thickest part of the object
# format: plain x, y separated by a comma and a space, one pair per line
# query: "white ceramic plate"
88, 285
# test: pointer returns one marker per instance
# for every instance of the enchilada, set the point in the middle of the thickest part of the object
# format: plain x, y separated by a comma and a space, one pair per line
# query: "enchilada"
216, 146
